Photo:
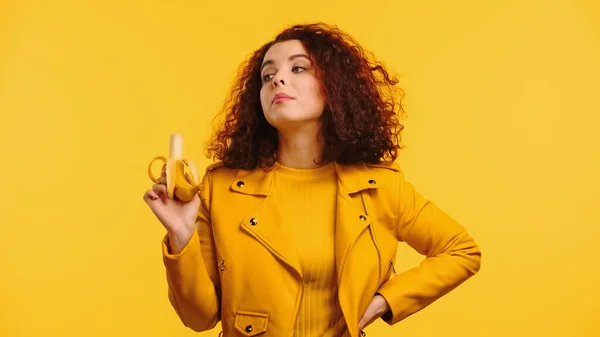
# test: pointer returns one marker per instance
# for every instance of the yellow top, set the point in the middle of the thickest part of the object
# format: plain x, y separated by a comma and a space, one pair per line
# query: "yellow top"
306, 200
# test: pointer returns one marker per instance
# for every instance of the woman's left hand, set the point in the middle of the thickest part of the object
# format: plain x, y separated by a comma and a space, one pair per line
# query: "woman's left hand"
376, 308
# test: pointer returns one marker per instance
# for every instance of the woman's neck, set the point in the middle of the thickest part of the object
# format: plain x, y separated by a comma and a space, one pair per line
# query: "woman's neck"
300, 149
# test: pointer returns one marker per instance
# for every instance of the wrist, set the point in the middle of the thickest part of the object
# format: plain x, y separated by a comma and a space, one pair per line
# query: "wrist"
384, 306
178, 240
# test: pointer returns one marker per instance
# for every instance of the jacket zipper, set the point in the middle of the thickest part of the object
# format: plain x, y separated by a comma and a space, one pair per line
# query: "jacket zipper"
392, 267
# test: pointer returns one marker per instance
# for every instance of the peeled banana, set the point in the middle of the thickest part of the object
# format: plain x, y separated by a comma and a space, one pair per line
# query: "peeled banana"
181, 185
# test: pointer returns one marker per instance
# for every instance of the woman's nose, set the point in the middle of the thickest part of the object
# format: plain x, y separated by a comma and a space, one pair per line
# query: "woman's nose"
278, 79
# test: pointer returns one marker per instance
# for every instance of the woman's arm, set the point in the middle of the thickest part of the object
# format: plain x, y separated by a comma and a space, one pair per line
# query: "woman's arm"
452, 256
192, 274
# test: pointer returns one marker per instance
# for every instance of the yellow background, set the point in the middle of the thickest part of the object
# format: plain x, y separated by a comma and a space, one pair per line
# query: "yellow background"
502, 132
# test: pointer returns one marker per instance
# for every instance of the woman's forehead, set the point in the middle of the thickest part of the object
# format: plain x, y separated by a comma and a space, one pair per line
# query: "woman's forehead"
282, 51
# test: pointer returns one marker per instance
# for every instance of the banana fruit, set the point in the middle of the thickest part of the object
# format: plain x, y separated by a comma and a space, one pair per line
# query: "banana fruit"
181, 184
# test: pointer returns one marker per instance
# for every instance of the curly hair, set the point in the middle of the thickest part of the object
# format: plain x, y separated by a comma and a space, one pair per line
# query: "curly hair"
360, 122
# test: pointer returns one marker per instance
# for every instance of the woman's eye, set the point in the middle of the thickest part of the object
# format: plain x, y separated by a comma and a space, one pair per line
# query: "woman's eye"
297, 69
267, 77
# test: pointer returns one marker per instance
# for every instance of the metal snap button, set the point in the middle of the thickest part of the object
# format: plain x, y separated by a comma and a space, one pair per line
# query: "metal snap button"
240, 184
363, 218
254, 221
372, 182
249, 328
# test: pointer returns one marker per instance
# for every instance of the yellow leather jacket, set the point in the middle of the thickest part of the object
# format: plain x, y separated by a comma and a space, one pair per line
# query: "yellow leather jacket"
239, 268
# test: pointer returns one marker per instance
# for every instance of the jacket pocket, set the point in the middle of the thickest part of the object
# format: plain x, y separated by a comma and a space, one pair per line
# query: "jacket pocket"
251, 323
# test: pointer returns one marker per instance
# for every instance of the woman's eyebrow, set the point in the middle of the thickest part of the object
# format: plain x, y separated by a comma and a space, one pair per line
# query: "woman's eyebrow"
291, 58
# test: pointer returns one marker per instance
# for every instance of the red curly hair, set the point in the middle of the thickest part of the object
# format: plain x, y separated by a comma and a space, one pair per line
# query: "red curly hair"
360, 122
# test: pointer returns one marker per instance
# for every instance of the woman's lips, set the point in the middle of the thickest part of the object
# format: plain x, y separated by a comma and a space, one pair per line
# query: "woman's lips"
281, 98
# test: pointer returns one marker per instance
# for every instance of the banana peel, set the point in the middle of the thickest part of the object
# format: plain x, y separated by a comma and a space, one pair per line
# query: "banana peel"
182, 178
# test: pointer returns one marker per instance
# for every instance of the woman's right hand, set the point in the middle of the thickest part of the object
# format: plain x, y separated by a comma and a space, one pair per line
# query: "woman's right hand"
178, 217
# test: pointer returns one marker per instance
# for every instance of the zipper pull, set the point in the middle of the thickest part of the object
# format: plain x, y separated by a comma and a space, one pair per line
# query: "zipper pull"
222, 265
392, 266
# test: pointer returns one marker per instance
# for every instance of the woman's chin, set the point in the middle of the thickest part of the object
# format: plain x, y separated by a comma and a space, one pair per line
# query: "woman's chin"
283, 119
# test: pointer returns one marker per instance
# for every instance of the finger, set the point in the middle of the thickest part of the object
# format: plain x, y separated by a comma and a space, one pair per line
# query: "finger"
150, 195
156, 204
163, 175
160, 189
161, 192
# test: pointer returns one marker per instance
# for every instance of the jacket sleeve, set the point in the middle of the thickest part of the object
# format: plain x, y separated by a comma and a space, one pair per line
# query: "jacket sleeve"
451, 255
192, 276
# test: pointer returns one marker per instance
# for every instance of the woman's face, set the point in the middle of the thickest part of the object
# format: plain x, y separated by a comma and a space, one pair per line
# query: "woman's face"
290, 95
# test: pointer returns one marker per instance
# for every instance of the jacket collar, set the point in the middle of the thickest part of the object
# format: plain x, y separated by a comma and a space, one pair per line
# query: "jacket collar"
353, 178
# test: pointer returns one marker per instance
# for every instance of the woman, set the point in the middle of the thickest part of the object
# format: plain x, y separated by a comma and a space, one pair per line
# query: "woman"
296, 227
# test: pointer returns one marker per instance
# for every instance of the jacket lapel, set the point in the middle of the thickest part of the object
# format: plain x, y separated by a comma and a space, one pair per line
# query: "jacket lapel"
351, 217
264, 222
351, 220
